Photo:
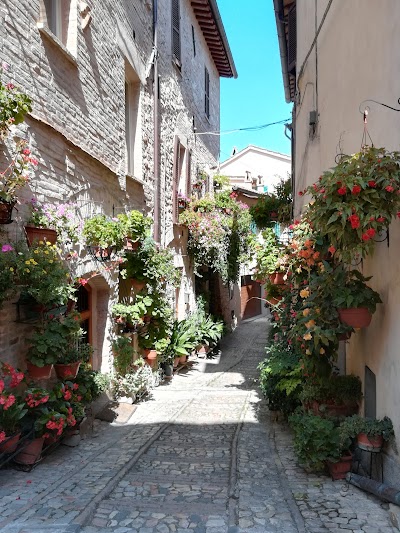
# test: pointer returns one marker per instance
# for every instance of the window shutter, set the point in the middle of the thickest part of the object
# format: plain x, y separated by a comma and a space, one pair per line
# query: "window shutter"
188, 191
176, 39
177, 155
207, 93
292, 40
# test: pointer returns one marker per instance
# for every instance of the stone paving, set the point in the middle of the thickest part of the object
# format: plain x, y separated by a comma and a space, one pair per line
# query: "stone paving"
201, 456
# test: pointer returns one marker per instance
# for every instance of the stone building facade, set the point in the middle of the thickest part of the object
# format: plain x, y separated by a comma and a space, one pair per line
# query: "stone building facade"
115, 122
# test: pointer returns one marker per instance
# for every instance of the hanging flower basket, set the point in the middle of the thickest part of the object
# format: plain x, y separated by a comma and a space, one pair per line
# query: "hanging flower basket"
34, 234
356, 317
6, 209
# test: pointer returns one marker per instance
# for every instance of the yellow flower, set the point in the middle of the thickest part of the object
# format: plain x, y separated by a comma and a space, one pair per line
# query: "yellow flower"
308, 352
310, 324
33, 262
27, 262
322, 351
35, 251
307, 337
67, 275
306, 312
27, 270
46, 252
304, 293
41, 242
11, 269
298, 270
48, 243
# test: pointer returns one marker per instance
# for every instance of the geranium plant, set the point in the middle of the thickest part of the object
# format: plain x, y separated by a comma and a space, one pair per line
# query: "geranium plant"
14, 105
16, 176
60, 217
356, 200
12, 406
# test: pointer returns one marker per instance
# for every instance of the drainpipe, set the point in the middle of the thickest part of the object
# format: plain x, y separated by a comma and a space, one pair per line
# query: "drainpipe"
156, 230
384, 492
278, 8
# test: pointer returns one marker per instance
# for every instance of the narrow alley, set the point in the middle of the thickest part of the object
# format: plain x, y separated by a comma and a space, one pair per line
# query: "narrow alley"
202, 455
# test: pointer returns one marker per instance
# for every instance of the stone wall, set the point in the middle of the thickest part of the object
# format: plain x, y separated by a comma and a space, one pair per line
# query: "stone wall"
77, 129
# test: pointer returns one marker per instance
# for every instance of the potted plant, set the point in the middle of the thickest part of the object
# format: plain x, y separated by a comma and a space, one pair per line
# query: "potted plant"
134, 384
47, 343
43, 275
12, 408
49, 221
13, 179
14, 106
333, 396
355, 301
182, 341
124, 355
267, 256
356, 200
370, 432
134, 226
273, 207
74, 351
183, 202
103, 236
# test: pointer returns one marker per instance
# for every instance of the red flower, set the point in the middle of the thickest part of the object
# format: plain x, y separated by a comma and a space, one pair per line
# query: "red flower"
301, 193
356, 189
354, 221
371, 219
365, 237
371, 232
398, 214
331, 249
371, 183
381, 219
389, 188
342, 191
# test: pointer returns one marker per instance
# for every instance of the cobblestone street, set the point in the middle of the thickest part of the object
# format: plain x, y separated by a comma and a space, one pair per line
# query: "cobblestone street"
201, 456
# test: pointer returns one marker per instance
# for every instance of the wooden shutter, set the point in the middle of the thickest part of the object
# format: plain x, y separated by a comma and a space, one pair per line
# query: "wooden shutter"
175, 172
176, 39
292, 40
188, 191
207, 92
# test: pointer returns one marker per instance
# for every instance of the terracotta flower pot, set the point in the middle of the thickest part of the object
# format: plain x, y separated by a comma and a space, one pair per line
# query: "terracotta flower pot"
10, 444
40, 234
356, 317
39, 372
203, 348
137, 285
131, 245
68, 371
278, 280
30, 454
274, 301
151, 357
366, 442
176, 362
341, 468
183, 359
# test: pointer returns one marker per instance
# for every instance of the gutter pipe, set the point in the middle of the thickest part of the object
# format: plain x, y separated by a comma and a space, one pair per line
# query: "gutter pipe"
384, 492
156, 228
278, 8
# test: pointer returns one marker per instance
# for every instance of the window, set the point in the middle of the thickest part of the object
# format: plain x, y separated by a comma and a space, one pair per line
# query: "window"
207, 92
132, 123
58, 20
181, 173
176, 37
194, 42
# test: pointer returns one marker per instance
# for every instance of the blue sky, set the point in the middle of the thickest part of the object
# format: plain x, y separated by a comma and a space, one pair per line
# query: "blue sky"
256, 97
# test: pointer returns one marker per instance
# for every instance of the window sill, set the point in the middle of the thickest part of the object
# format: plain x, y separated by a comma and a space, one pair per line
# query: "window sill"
138, 180
177, 65
46, 32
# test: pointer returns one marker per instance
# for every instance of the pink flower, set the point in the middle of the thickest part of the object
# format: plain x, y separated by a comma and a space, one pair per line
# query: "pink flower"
2, 436
26, 151
389, 188
10, 86
7, 248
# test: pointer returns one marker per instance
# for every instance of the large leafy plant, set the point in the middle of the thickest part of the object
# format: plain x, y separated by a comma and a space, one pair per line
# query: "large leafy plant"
356, 200
103, 231
351, 290
134, 224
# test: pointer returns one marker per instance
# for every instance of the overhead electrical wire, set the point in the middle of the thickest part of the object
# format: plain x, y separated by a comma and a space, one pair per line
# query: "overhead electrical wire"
250, 128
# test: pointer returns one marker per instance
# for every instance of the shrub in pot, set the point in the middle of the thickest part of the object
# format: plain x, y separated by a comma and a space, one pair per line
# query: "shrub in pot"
12, 407
370, 432
103, 235
134, 226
